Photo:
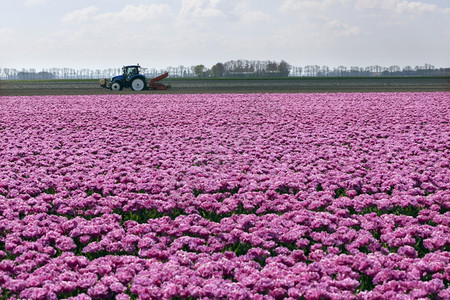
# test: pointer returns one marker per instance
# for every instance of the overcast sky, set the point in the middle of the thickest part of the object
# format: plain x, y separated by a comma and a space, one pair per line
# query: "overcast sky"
108, 34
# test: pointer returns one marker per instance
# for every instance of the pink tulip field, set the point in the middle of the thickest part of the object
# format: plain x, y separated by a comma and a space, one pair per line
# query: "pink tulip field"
225, 196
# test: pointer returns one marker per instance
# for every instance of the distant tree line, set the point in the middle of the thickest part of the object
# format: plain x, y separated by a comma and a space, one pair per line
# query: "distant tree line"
229, 69
245, 68
375, 70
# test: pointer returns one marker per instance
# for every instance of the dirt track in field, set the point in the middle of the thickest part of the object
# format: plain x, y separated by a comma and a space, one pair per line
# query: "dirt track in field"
181, 86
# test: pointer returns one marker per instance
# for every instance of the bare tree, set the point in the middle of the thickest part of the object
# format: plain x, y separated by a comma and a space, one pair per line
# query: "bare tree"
407, 70
284, 68
354, 71
324, 70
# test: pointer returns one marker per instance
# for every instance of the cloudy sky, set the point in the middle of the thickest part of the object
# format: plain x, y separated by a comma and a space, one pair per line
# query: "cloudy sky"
107, 34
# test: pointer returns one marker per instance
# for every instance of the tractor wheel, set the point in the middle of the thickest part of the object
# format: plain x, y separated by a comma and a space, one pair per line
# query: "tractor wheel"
138, 84
116, 86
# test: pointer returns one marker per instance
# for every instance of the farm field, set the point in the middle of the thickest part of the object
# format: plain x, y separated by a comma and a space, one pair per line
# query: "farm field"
238, 85
214, 196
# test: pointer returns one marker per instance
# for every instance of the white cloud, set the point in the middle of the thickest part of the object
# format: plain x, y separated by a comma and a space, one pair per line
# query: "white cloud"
337, 29
200, 9
375, 4
290, 5
129, 14
135, 14
415, 7
34, 2
207, 15
80, 15
396, 6
200, 12
308, 5
254, 16
5, 31
321, 19
6, 35
392, 23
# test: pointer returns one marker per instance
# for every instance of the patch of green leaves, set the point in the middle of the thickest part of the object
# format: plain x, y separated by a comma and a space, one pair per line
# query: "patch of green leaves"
319, 188
50, 191
238, 248
90, 192
366, 283
340, 192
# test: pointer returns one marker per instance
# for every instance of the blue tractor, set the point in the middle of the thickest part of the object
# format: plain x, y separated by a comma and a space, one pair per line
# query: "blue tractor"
131, 78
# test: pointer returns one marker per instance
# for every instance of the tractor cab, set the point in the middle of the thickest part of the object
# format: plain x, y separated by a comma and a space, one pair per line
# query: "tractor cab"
130, 71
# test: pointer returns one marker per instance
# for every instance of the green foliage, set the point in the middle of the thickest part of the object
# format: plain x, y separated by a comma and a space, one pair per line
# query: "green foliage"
409, 210
420, 248
366, 283
376, 234
212, 215
364, 249
218, 70
200, 70
129, 293
197, 192
143, 215
291, 246
319, 188
90, 192
389, 192
74, 293
6, 294
340, 192
370, 209
103, 253
238, 248
50, 191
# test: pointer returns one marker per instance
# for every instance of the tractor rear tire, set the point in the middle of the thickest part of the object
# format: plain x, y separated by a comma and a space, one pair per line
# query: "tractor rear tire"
116, 86
138, 84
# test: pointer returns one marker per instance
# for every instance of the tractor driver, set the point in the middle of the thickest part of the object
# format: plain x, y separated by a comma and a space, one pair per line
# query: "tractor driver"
131, 72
